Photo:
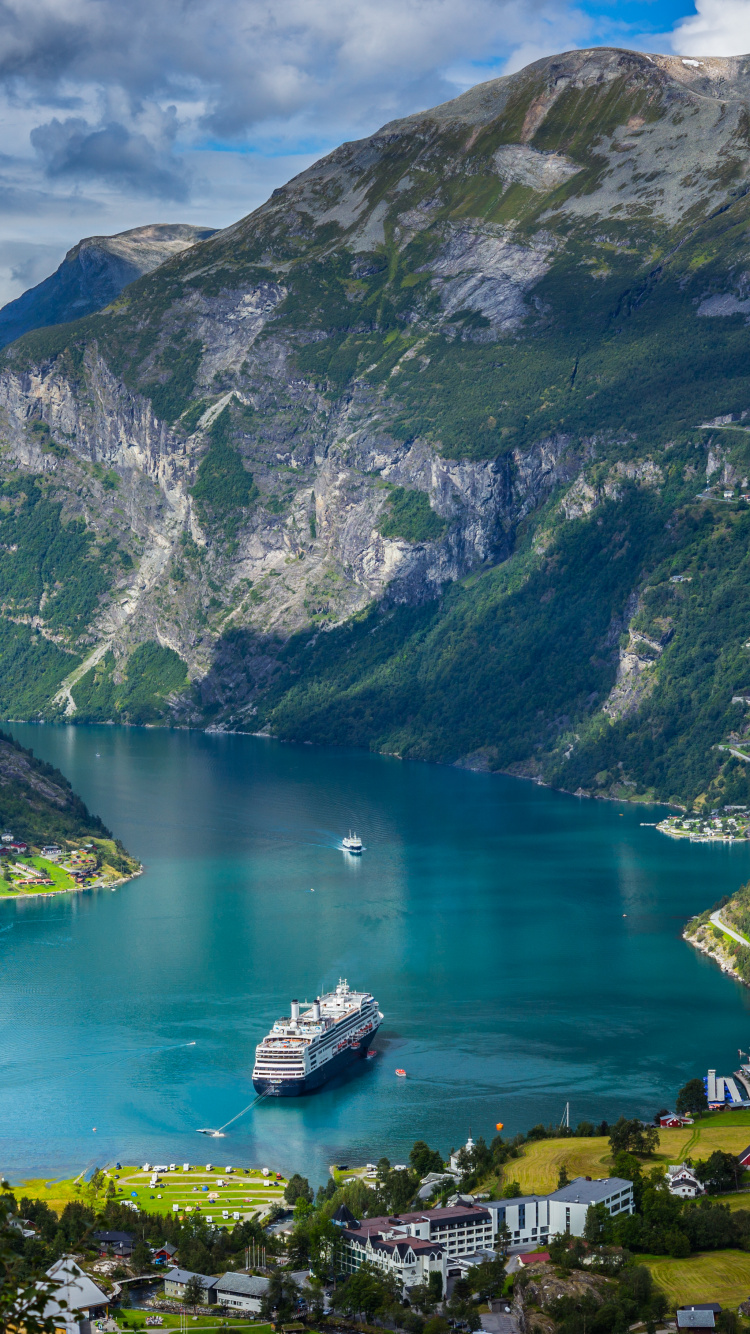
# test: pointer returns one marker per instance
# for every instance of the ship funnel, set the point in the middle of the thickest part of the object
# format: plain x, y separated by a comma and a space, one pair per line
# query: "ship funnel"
295, 1011
316, 1009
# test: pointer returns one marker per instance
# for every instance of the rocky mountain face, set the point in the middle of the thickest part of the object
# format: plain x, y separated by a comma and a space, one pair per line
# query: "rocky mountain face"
441, 451
93, 273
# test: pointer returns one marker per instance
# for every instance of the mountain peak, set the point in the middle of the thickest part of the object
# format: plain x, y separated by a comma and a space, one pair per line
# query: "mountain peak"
93, 273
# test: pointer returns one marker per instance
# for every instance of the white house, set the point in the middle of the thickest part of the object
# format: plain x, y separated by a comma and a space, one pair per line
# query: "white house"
683, 1182
240, 1292
539, 1218
453, 1160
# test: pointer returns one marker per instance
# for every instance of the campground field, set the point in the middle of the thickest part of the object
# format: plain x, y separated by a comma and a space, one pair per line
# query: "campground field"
243, 1192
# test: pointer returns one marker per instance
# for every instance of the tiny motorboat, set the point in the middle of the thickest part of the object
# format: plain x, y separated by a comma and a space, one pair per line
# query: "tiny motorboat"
371, 1052
352, 843
401, 1074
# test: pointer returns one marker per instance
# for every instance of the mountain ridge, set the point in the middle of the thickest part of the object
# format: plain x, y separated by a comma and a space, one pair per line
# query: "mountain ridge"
410, 456
93, 273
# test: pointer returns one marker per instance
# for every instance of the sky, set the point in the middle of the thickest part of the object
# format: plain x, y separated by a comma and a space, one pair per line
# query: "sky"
119, 113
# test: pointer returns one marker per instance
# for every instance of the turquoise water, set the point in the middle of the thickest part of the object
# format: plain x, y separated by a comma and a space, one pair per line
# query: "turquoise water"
524, 947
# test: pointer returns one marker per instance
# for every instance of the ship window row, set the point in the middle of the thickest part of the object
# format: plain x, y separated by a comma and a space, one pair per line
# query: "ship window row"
280, 1065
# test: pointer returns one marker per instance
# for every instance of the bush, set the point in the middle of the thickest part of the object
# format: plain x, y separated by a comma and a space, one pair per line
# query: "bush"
223, 486
411, 517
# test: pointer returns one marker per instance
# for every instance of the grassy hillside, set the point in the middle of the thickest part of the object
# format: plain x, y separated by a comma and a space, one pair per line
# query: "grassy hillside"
538, 1168
718, 1276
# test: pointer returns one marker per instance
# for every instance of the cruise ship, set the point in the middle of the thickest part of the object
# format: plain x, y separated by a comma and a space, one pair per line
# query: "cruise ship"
309, 1047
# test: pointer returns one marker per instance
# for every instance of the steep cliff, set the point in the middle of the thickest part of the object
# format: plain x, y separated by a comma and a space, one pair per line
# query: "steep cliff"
93, 273
414, 455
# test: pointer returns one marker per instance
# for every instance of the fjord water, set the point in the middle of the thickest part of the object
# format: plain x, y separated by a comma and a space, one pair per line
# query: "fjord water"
524, 946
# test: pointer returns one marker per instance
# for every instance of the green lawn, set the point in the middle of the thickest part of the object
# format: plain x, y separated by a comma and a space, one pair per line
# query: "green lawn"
52, 872
713, 1276
135, 1319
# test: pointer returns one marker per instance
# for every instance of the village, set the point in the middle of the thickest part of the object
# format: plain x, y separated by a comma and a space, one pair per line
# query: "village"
456, 1253
52, 869
720, 827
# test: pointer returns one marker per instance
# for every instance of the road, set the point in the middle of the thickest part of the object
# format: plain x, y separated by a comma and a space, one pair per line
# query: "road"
741, 940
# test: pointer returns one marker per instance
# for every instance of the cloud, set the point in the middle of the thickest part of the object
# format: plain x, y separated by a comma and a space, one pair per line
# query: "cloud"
112, 153
718, 28
236, 64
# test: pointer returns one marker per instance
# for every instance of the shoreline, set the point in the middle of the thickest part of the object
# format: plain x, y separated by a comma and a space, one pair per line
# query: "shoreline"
714, 950
70, 889
212, 730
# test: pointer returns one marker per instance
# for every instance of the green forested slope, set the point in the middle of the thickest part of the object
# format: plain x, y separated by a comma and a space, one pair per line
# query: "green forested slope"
38, 805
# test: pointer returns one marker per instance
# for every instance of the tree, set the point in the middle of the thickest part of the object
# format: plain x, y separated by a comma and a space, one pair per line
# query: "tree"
422, 1298
326, 1192
486, 1279
424, 1159
365, 1293
511, 1190
562, 1177
298, 1247
503, 1239
435, 1285
298, 1186
633, 1137
141, 1257
324, 1248
193, 1291
280, 1297
597, 1230
315, 1299
692, 1098
23, 1296
720, 1172
437, 1324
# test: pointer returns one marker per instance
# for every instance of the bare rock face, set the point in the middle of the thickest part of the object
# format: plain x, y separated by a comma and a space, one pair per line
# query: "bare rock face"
93, 273
371, 386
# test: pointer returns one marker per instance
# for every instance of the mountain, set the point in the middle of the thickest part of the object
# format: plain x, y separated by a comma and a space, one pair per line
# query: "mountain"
441, 451
38, 805
93, 273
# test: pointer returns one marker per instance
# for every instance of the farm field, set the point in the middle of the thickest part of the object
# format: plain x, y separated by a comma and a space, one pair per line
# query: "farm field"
721, 1276
538, 1168
245, 1192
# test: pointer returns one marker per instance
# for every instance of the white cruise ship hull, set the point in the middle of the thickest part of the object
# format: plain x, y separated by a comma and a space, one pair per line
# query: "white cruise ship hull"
296, 1086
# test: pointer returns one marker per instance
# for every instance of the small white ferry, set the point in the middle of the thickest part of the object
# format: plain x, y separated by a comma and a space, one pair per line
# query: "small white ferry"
352, 843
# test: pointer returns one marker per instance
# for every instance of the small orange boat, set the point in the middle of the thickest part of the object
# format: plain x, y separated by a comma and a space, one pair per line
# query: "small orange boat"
401, 1073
